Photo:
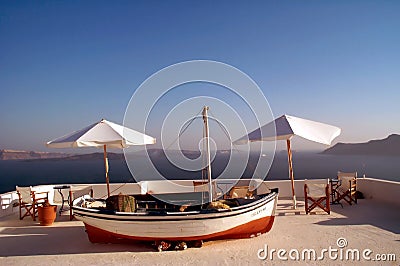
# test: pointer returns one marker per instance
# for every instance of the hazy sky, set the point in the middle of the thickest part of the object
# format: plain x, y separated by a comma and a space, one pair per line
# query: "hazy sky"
65, 65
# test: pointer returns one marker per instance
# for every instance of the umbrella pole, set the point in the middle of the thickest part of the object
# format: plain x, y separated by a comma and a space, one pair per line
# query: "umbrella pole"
106, 168
291, 176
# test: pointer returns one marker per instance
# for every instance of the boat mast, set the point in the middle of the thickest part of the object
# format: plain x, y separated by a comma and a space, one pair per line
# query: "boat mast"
208, 157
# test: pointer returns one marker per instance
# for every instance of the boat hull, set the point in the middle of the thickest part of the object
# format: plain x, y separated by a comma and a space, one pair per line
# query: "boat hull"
244, 222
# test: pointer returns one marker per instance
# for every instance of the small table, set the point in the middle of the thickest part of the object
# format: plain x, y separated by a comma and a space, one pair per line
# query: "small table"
335, 184
59, 189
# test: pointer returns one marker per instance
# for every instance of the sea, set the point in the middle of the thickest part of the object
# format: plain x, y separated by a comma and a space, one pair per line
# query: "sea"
306, 165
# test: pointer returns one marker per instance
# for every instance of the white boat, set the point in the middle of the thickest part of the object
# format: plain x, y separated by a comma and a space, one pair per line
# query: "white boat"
251, 218
155, 220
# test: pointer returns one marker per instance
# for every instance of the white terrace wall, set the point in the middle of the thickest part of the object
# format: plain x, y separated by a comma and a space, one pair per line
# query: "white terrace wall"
9, 200
381, 190
285, 187
375, 189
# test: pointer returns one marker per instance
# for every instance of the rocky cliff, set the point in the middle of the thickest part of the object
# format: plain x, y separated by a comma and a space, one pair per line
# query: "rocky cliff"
389, 146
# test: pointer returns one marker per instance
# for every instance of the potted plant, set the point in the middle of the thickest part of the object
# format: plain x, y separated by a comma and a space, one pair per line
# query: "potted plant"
47, 213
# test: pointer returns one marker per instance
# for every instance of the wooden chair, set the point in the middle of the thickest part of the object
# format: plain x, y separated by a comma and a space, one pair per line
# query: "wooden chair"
317, 192
29, 200
202, 186
76, 192
240, 192
347, 187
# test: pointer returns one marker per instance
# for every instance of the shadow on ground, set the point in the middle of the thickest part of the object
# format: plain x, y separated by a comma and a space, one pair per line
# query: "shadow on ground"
366, 212
27, 238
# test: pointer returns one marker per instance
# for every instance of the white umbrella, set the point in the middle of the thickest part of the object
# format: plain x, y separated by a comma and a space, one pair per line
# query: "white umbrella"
102, 134
284, 128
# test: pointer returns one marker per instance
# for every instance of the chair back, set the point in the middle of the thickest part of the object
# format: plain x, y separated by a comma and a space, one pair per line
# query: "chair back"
25, 194
345, 179
76, 192
202, 186
316, 188
79, 191
240, 192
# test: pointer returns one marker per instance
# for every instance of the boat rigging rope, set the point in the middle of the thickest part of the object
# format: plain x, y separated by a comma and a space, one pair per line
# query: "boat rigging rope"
104, 196
185, 128
212, 117
179, 135
223, 130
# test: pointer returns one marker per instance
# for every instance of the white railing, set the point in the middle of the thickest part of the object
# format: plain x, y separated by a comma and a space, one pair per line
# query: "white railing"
375, 189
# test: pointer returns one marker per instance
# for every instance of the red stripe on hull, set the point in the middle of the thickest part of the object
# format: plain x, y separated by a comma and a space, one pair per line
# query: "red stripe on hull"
263, 225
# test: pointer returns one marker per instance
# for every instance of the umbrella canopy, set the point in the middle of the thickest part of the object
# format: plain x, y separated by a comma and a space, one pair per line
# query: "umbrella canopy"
102, 134
284, 128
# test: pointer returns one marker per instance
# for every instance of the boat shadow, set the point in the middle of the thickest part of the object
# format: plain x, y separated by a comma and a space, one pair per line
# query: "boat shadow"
27, 238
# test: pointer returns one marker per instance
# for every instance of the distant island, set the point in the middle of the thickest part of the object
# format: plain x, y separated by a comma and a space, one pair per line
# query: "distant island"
54, 156
29, 155
389, 146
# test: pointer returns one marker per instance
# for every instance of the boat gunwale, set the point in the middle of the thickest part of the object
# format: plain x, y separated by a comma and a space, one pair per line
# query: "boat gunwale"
170, 216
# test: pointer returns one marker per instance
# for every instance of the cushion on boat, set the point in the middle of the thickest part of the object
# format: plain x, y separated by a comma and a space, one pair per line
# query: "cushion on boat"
121, 203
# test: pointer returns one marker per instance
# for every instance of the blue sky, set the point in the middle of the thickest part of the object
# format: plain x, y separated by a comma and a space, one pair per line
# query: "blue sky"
65, 65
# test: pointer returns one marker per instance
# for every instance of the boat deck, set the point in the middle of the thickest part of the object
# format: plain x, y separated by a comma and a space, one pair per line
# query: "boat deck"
368, 225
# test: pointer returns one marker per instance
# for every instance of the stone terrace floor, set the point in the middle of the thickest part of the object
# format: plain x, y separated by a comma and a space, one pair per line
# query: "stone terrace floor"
367, 225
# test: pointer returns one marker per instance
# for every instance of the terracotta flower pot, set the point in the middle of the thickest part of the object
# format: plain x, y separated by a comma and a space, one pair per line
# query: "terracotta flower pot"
47, 214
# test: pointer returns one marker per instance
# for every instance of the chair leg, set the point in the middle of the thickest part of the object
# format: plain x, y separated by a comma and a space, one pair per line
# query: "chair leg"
28, 212
318, 203
327, 203
305, 198
71, 216
353, 194
337, 200
306, 205
34, 211
346, 196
